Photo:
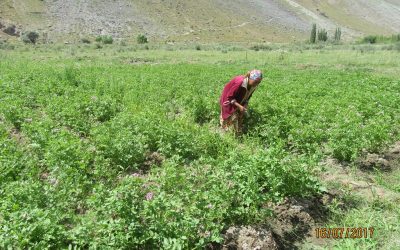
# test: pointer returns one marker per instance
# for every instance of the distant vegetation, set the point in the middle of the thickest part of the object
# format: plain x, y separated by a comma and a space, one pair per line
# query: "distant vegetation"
371, 39
338, 34
30, 37
11, 30
313, 33
105, 39
322, 35
85, 40
141, 39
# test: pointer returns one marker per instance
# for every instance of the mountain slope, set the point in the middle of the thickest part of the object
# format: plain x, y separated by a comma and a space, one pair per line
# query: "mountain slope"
200, 20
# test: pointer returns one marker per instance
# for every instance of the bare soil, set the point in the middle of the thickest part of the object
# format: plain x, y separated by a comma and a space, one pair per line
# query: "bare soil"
296, 218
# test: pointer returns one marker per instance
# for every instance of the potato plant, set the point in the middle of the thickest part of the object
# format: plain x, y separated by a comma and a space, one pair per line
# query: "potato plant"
121, 156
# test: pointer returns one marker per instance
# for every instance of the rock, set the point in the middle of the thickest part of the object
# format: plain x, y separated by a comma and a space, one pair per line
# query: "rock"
247, 237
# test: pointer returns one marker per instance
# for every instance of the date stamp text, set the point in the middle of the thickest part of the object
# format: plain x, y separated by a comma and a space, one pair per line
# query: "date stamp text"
344, 232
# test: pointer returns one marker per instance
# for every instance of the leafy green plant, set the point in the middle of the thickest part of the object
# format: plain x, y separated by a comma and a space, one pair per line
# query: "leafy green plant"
141, 39
100, 153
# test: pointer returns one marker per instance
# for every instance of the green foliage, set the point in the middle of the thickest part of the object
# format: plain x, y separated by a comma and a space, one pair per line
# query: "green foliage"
322, 35
105, 39
141, 39
101, 154
338, 34
396, 38
30, 37
370, 39
313, 35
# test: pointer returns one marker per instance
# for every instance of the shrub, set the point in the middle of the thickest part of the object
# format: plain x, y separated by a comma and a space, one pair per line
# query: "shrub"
85, 40
108, 40
198, 47
141, 39
10, 30
261, 47
105, 39
370, 39
30, 37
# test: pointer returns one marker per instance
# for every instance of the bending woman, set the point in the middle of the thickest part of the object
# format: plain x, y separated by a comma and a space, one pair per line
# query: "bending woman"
235, 98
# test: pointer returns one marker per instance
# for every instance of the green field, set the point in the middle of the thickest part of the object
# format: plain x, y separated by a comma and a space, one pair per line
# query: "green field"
120, 147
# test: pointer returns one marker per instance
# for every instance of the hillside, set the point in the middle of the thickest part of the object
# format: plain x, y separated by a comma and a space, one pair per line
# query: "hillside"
201, 20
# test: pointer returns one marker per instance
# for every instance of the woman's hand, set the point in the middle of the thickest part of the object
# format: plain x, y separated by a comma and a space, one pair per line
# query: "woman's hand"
240, 107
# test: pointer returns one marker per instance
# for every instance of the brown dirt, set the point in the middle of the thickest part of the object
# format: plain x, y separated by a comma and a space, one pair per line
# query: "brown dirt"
17, 136
247, 237
47, 177
354, 180
295, 219
152, 159
387, 161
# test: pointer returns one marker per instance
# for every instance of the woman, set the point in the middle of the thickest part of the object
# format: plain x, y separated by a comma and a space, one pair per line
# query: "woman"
235, 97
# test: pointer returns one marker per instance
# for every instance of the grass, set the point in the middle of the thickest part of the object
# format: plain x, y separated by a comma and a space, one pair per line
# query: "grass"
79, 128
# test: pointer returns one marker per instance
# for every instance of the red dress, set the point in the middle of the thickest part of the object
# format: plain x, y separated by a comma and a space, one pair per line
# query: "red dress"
235, 90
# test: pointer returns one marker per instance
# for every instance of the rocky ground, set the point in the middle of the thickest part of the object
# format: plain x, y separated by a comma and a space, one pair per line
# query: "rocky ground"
206, 21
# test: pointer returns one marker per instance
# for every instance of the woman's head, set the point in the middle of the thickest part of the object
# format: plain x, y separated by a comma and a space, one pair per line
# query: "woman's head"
255, 77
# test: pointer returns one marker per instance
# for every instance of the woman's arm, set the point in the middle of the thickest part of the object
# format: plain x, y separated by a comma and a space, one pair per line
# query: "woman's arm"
240, 107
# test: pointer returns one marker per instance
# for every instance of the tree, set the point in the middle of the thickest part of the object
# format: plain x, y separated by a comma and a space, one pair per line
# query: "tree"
338, 34
322, 35
313, 33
